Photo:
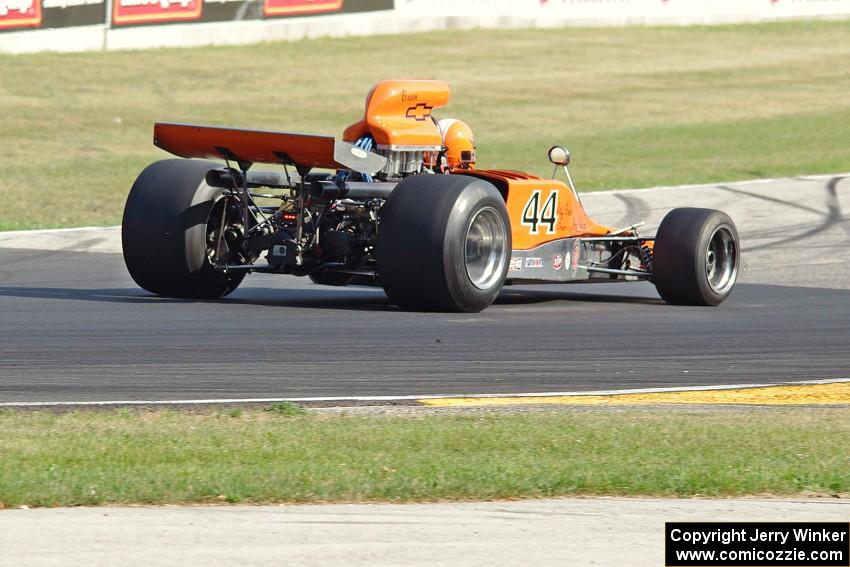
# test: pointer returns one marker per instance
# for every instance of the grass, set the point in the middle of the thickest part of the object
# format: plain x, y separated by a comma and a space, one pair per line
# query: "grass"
286, 409
129, 456
638, 106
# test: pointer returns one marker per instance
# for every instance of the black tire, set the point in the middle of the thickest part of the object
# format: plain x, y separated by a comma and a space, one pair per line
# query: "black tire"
696, 257
164, 231
444, 244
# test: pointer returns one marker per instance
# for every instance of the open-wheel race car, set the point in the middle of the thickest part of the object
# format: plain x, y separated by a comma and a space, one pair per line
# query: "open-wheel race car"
397, 203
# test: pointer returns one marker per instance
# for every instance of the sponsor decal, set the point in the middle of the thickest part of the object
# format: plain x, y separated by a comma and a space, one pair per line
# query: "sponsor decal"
534, 262
420, 112
20, 13
26, 15
300, 7
161, 11
573, 262
515, 265
558, 262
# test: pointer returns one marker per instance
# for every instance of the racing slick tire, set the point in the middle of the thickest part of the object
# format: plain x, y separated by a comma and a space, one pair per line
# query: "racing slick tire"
696, 256
164, 233
444, 244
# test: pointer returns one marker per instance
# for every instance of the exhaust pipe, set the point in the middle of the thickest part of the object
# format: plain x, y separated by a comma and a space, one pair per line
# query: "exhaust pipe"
321, 188
230, 178
357, 190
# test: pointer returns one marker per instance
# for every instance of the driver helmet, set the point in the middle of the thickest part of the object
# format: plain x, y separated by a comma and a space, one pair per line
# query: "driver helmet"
458, 142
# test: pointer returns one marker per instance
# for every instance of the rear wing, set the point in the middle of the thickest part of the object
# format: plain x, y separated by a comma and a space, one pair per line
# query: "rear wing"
305, 151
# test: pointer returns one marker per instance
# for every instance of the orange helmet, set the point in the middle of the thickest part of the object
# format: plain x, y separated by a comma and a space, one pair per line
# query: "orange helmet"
459, 143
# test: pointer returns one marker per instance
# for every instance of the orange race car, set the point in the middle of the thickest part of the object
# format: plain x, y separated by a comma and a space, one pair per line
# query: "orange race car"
397, 203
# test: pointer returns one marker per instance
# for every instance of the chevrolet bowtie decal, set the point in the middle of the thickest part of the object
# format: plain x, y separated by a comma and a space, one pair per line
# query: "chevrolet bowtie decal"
420, 112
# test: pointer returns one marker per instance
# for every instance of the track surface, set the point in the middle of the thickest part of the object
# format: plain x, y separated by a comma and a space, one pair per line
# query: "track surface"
75, 328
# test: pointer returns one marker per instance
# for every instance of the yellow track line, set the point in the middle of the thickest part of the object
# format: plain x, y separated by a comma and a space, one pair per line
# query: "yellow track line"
811, 394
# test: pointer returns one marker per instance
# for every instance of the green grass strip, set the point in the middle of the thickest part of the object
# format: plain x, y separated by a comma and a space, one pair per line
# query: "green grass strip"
119, 457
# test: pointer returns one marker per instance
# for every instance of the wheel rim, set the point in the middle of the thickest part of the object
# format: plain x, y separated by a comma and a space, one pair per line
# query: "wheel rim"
721, 260
485, 252
218, 250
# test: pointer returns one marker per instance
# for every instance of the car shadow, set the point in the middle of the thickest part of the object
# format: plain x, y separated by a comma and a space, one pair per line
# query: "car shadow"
533, 296
330, 298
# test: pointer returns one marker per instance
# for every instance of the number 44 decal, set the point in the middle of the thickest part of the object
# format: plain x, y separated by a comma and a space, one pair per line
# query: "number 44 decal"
533, 215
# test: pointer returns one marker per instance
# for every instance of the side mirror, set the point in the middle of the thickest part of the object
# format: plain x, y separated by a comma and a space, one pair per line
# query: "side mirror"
559, 155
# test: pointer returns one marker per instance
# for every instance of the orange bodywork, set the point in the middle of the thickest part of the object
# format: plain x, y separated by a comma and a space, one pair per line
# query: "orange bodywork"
398, 115
255, 146
557, 213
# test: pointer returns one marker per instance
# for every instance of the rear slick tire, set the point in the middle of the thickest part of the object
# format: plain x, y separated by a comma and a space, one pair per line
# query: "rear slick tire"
444, 244
695, 257
164, 232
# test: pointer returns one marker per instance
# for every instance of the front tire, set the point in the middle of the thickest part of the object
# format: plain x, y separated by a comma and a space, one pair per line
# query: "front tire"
166, 229
443, 244
696, 256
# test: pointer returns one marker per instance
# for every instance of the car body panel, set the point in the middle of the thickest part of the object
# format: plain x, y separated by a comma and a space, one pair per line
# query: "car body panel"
398, 115
540, 210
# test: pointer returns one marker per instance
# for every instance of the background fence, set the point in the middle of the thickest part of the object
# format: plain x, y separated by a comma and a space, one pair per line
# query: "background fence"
81, 25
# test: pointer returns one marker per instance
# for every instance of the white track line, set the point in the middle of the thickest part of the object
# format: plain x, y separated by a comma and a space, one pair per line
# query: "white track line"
412, 398
57, 230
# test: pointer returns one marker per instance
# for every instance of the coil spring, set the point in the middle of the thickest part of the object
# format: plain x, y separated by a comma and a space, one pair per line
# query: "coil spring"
646, 256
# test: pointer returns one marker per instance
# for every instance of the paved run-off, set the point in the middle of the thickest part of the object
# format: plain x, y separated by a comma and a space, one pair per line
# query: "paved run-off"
580, 532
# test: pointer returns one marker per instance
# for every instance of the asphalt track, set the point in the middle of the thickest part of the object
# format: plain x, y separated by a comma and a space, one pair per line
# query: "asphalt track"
73, 326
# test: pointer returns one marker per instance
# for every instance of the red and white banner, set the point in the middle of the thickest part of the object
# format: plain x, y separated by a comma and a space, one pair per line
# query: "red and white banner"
20, 14
154, 11
298, 7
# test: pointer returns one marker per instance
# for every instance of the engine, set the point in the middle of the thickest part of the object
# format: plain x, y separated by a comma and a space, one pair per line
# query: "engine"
399, 125
401, 163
